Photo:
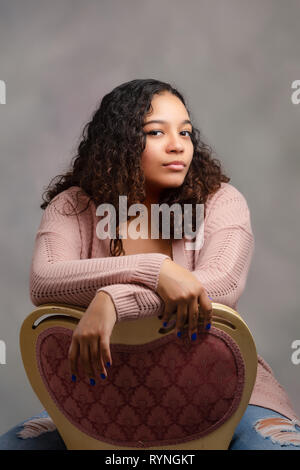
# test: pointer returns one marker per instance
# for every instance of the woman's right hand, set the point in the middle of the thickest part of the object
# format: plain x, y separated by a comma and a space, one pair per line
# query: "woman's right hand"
183, 292
91, 337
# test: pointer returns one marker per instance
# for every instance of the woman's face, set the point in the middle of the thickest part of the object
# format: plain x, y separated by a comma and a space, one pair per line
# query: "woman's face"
166, 141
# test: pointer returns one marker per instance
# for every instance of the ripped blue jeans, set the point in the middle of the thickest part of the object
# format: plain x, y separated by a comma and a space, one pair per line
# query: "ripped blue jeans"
259, 429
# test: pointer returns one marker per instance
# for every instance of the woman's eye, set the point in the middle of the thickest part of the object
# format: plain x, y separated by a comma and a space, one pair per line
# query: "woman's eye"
151, 132
189, 133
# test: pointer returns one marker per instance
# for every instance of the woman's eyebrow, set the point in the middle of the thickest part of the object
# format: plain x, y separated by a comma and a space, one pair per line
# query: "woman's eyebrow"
160, 121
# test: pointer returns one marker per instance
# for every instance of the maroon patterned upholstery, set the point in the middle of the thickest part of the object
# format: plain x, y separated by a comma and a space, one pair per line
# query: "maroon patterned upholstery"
165, 392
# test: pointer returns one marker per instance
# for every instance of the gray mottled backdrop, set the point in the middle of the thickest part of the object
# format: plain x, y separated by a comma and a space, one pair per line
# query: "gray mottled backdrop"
234, 61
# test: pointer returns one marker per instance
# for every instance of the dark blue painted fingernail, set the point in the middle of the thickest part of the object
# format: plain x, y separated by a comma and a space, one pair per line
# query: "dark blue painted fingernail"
165, 323
194, 336
102, 375
92, 382
208, 326
73, 377
179, 334
108, 364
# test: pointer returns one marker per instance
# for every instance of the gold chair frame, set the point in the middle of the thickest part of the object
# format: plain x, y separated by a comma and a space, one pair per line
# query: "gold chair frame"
133, 332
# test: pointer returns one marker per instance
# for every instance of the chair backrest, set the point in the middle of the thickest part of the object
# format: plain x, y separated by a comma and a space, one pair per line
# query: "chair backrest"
161, 392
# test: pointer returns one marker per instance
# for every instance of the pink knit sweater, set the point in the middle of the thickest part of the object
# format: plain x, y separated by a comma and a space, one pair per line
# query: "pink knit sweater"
70, 264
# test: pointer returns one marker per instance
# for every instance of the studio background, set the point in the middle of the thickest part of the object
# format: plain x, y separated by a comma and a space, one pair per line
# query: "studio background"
233, 60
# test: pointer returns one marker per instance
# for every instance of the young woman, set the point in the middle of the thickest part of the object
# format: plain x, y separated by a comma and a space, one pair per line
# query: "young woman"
142, 143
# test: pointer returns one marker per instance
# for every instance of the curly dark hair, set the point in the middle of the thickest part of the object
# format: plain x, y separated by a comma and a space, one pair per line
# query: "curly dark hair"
108, 160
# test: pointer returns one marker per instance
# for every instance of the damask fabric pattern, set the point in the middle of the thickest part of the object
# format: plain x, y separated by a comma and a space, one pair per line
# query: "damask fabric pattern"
70, 264
163, 392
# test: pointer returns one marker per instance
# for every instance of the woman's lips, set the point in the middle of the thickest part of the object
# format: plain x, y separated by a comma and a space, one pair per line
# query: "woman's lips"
175, 166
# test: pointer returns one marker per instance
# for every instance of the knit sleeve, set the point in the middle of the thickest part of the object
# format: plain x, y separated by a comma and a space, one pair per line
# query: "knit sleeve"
221, 265
223, 262
59, 275
133, 301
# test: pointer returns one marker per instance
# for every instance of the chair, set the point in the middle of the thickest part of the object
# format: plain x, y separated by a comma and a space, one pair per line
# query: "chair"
161, 392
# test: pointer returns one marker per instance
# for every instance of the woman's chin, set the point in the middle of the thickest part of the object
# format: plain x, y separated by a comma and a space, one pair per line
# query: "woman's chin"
174, 184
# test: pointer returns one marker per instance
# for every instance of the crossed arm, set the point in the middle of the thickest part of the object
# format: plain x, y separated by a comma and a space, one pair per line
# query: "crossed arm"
59, 275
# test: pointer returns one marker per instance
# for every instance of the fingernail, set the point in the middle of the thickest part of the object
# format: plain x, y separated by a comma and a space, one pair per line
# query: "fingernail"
108, 364
209, 297
208, 326
165, 323
102, 375
92, 382
179, 334
73, 377
194, 336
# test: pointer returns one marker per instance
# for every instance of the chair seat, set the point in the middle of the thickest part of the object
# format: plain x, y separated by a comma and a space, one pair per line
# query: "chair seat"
161, 392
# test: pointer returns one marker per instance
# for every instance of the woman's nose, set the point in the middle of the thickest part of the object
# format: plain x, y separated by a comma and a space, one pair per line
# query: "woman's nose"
174, 143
